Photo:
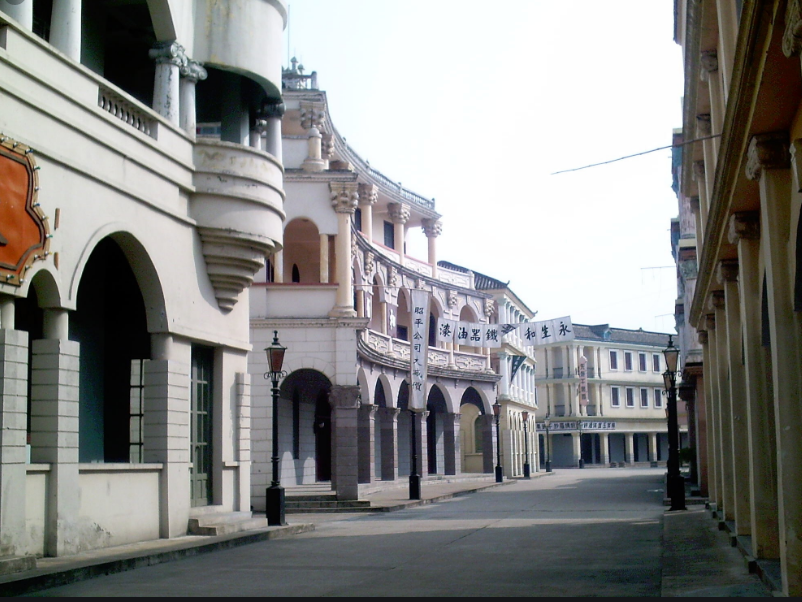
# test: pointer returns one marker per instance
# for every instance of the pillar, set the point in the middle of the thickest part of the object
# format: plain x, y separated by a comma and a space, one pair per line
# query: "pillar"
422, 442
399, 215
704, 130
653, 447
727, 36
604, 444
13, 440
21, 12
389, 434
710, 411
314, 161
278, 267
344, 199
367, 449
723, 407
192, 72
488, 444
451, 444
368, 197
699, 174
710, 74
324, 258
170, 58
344, 401
272, 113
432, 228
768, 163
629, 453
737, 420
65, 28
745, 232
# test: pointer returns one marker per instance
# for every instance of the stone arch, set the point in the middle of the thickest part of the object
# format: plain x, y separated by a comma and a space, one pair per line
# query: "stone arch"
145, 272
47, 284
364, 387
315, 363
302, 249
390, 392
476, 431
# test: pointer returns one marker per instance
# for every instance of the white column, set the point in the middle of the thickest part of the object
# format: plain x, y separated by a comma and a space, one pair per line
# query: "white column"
169, 57
399, 215
7, 312
192, 72
727, 36
368, 196
432, 229
21, 12
344, 199
65, 27
278, 267
605, 447
629, 448
272, 114
711, 74
324, 258
503, 361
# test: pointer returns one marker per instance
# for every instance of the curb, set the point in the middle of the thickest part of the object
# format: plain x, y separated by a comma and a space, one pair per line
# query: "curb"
440, 498
49, 578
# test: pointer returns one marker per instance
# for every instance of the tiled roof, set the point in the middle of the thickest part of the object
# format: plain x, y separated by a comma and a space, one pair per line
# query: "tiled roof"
620, 335
482, 281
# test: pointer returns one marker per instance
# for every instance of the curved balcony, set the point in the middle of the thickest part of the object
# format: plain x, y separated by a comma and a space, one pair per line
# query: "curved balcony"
238, 206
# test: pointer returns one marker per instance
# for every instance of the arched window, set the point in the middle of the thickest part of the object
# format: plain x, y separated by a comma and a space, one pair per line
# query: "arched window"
478, 436
296, 273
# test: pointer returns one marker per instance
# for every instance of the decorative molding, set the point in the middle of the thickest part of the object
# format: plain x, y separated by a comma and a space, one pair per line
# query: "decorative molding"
709, 61
710, 322
370, 263
193, 71
169, 53
703, 124
701, 336
399, 213
688, 269
368, 194
453, 298
489, 307
728, 270
313, 114
792, 36
273, 110
327, 146
344, 196
744, 225
432, 228
767, 151
717, 300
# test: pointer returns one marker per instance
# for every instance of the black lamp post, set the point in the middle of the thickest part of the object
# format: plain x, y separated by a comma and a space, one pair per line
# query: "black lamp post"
581, 460
675, 483
274, 496
414, 477
547, 423
527, 470
497, 414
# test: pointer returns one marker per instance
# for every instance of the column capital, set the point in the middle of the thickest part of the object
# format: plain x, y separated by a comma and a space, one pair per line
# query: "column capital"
716, 300
490, 307
368, 194
767, 151
698, 170
193, 71
399, 213
792, 36
168, 53
694, 204
313, 114
710, 322
344, 397
744, 225
703, 124
273, 110
344, 196
727, 271
432, 228
701, 336
709, 61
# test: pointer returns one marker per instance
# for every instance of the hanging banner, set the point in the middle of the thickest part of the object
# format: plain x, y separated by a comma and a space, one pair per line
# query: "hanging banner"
517, 360
546, 331
446, 330
419, 344
490, 335
583, 381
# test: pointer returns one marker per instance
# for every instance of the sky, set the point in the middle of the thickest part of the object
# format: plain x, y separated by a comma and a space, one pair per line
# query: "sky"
477, 104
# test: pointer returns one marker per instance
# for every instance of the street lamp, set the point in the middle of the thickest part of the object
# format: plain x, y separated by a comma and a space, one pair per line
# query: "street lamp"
675, 483
527, 470
274, 495
547, 423
497, 414
581, 460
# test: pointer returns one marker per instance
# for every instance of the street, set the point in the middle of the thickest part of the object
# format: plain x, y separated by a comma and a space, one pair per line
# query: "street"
573, 533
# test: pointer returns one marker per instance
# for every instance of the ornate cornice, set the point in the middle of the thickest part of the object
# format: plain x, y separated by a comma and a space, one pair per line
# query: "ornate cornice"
767, 151
744, 225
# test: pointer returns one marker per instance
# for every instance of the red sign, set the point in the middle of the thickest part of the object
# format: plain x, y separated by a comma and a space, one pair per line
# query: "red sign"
24, 233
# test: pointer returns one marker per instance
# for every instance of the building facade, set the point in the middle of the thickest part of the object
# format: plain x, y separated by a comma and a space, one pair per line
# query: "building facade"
742, 105
127, 247
338, 294
613, 415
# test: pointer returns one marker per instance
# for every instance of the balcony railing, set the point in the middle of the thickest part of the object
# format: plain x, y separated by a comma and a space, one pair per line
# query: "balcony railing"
397, 349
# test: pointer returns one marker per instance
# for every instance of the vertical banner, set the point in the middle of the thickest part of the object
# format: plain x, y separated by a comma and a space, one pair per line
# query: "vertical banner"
583, 381
419, 344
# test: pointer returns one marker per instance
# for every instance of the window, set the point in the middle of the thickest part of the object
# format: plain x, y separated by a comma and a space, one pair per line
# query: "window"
478, 436
358, 219
644, 395
642, 362
613, 360
628, 361
630, 397
658, 398
389, 235
615, 397
656, 362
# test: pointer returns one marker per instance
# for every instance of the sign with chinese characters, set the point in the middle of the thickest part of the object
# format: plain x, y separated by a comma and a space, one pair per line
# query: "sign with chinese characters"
489, 335
587, 425
583, 381
419, 341
24, 231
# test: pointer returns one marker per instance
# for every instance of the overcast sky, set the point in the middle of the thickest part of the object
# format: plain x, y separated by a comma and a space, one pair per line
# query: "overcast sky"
476, 104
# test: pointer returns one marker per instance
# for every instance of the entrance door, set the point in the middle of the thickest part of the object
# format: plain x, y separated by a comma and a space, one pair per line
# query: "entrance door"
201, 426
323, 437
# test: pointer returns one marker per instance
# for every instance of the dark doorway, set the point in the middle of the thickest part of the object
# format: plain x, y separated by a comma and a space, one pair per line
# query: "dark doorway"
323, 437
201, 425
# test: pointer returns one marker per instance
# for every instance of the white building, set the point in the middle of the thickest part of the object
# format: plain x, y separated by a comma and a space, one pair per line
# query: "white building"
616, 413
338, 295
127, 246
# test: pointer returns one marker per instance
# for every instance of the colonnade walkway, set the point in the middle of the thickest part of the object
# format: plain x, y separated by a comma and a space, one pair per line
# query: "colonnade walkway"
570, 533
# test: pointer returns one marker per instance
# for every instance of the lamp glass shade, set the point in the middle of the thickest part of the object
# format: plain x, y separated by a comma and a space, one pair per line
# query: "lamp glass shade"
496, 409
667, 380
525, 415
671, 354
275, 354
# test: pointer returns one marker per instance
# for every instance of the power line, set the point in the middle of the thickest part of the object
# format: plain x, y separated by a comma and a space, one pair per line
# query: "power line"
639, 154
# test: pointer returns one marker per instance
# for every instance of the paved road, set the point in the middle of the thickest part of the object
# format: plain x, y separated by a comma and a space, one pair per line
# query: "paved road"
576, 533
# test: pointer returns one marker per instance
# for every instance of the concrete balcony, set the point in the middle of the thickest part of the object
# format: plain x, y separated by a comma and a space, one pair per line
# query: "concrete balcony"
238, 205
292, 300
